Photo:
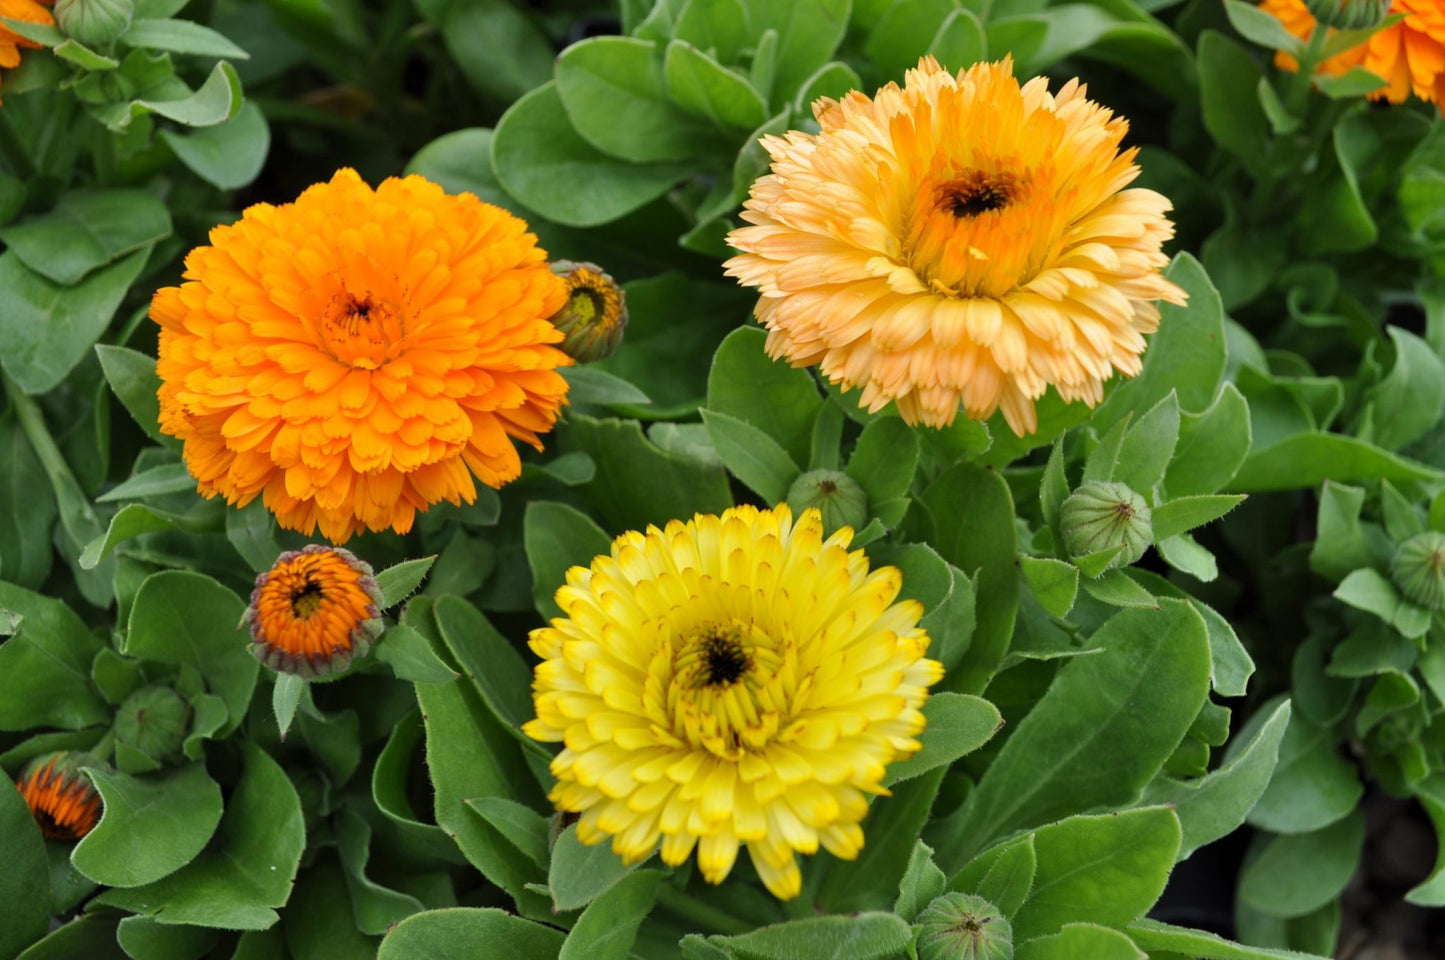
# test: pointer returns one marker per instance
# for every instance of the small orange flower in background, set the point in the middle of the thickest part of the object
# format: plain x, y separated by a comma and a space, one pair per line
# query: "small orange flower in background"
360, 354
314, 611
1409, 54
959, 242
60, 797
11, 42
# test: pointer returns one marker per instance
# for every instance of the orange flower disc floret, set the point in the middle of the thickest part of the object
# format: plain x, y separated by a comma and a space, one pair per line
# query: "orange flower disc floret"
60, 797
11, 42
958, 242
314, 611
350, 356
1409, 55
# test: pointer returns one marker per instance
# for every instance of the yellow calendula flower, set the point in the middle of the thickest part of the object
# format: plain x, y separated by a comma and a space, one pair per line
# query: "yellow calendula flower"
1410, 54
358, 355
728, 681
958, 242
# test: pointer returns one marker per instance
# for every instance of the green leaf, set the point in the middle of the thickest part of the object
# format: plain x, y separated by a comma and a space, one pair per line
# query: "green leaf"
958, 724
558, 537
705, 88
1228, 79
188, 619
1054, 583
286, 696
1002, 875
1312, 787
1118, 589
904, 34
808, 32
1407, 401
607, 929
524, 828
1187, 355
1263, 28
591, 385
41, 33
1367, 590
152, 826
492, 665
466, 933
1296, 874
411, 656
1107, 869
1212, 446
1075, 940
1183, 553
1340, 545
974, 519
872, 880
217, 101
400, 580
375, 907
87, 230
1185, 513
1075, 749
834, 79
637, 483
884, 460
45, 329
390, 783
543, 163
1216, 804
236, 883
25, 881
251, 531
1306, 460
132, 376
500, 49
615, 96
960, 41
1154, 936
753, 457
1147, 446
862, 936
45, 666
181, 36
1430, 892
27, 510
579, 873
922, 881
136, 519
778, 399
1356, 82
145, 939
720, 25
91, 935
228, 155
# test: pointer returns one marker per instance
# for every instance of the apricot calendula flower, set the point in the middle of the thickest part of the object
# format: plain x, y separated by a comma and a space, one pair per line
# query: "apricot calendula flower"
314, 611
962, 241
350, 356
730, 680
61, 797
1409, 55
11, 42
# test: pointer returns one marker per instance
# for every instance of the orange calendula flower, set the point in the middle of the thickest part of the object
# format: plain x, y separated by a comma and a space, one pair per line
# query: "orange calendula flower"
1409, 55
314, 611
959, 242
60, 797
11, 42
350, 357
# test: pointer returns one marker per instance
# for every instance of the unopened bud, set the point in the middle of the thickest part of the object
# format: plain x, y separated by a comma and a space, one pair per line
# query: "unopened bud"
961, 926
595, 315
1100, 516
61, 797
314, 611
1349, 14
1418, 569
94, 21
154, 720
835, 494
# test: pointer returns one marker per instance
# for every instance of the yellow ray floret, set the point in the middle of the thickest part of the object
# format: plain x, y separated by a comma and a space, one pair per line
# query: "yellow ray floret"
731, 680
360, 354
960, 242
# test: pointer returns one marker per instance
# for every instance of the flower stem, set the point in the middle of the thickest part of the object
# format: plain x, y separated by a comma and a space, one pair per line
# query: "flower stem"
1314, 52
703, 914
104, 747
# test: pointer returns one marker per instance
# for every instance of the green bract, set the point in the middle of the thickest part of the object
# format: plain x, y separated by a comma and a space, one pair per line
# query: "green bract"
1100, 517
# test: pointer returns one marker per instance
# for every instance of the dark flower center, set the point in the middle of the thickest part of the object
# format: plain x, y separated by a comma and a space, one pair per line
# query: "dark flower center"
977, 193
724, 661
307, 600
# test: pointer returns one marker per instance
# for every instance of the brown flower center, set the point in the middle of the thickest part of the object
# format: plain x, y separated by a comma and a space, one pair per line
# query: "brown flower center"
361, 329
720, 660
976, 192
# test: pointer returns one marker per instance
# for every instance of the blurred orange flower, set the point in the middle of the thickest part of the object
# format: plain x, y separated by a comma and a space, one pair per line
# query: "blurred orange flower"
1410, 54
31, 11
351, 356
959, 242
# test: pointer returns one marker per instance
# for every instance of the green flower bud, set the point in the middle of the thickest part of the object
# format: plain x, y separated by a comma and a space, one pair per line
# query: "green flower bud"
835, 494
94, 21
1349, 14
154, 720
595, 314
1417, 569
1100, 516
961, 926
